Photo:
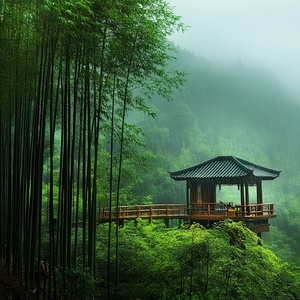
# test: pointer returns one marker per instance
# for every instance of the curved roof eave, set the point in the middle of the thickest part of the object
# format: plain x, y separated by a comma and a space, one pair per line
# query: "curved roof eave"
223, 167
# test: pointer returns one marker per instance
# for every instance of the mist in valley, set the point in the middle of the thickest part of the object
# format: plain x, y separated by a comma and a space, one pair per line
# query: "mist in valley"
241, 98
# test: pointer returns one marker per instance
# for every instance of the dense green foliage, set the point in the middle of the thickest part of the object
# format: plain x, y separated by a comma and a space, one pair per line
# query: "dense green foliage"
226, 262
70, 71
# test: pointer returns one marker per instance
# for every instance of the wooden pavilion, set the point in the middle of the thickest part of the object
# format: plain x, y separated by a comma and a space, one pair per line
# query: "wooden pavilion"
203, 180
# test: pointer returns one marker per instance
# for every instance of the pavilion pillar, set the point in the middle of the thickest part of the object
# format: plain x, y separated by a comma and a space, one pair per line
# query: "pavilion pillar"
187, 194
247, 193
259, 192
242, 198
259, 197
247, 197
242, 194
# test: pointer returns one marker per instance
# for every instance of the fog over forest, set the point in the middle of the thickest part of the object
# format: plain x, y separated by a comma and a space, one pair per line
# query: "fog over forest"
261, 33
241, 97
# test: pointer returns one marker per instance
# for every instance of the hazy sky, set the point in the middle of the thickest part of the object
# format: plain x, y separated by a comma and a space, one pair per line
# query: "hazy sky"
259, 32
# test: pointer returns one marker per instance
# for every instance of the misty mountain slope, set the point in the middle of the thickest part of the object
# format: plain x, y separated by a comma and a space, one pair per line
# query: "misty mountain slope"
229, 110
242, 105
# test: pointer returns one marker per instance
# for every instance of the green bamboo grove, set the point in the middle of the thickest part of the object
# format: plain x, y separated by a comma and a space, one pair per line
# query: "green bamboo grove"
69, 73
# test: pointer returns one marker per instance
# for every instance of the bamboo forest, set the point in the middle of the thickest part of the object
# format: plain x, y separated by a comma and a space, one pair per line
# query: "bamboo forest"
97, 108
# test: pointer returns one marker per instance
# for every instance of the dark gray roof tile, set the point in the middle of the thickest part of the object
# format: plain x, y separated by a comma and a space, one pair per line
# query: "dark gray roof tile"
225, 167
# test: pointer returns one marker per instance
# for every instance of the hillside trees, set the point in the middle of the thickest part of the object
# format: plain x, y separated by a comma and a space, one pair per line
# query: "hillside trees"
70, 72
225, 262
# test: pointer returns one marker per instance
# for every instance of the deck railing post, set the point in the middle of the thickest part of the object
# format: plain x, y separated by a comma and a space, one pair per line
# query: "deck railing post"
260, 208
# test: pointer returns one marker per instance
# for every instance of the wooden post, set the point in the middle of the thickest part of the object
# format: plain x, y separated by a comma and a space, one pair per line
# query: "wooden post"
247, 197
259, 192
242, 199
259, 195
187, 194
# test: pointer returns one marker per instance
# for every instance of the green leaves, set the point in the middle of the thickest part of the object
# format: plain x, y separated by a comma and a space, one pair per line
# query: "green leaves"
200, 263
70, 72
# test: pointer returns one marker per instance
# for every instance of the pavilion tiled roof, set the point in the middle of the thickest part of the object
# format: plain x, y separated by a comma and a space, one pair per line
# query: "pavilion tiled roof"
225, 167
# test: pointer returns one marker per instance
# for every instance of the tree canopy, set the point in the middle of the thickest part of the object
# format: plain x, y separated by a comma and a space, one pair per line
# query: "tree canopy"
70, 72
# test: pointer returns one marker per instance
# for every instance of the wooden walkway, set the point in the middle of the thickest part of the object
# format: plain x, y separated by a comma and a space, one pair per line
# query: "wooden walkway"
203, 211
155, 211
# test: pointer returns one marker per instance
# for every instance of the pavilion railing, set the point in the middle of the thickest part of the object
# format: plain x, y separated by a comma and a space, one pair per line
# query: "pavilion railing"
145, 211
205, 210
230, 210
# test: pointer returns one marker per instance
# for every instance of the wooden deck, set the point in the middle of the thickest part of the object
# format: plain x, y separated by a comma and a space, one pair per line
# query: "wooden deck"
204, 211
155, 211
